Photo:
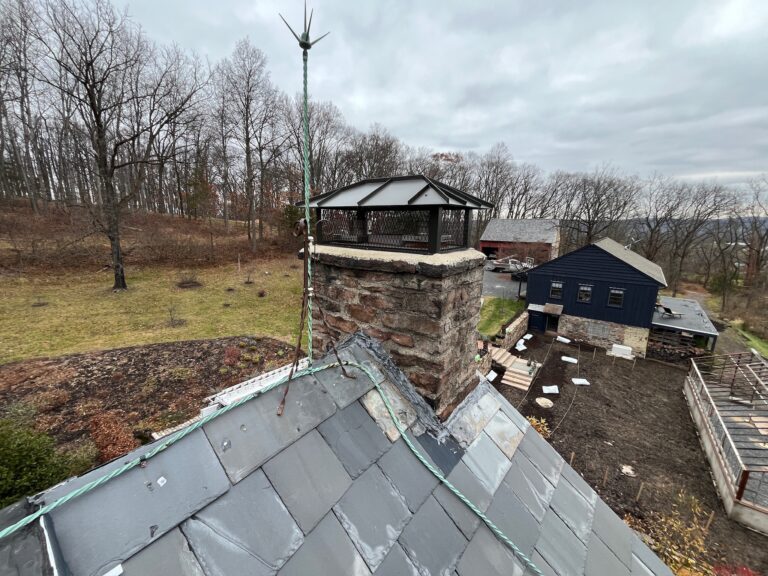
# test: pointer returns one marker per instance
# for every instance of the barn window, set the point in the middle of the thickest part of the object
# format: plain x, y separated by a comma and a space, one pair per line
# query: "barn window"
616, 297
556, 290
585, 294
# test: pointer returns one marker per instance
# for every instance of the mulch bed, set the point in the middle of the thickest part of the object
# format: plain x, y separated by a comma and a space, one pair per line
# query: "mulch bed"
148, 388
637, 417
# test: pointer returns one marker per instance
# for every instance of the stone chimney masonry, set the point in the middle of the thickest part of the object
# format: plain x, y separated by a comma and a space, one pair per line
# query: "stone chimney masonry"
424, 308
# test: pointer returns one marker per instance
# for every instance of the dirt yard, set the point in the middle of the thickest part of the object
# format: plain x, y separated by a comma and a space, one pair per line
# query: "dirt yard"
636, 417
141, 389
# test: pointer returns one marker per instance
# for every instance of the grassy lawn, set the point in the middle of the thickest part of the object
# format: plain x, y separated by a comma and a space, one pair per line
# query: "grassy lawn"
495, 312
754, 341
76, 312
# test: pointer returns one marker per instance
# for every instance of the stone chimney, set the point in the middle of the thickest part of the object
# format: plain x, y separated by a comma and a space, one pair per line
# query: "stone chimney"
392, 259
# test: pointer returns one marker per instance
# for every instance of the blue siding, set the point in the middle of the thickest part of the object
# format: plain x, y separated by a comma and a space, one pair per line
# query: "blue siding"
593, 266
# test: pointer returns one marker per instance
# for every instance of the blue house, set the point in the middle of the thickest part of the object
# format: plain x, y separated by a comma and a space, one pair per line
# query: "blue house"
602, 294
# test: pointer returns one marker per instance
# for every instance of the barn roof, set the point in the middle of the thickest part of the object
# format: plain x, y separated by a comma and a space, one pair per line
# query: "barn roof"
397, 191
634, 259
331, 487
538, 230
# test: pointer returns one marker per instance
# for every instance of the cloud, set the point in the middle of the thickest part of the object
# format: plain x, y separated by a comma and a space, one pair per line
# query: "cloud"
676, 87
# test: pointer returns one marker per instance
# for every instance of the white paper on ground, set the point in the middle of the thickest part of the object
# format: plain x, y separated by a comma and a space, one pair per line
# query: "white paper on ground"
569, 359
527, 336
580, 381
563, 339
491, 375
550, 389
520, 347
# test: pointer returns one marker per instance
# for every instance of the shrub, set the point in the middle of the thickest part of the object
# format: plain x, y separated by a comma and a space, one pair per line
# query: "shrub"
51, 399
28, 461
540, 425
231, 355
678, 536
111, 436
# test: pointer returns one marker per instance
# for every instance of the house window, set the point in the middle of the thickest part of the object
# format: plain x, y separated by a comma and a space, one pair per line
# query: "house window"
585, 294
556, 290
616, 297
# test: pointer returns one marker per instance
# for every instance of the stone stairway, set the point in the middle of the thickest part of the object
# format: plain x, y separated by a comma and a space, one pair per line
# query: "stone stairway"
518, 374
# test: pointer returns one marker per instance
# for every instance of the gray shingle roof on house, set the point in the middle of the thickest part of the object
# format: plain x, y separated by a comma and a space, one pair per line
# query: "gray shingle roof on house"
633, 259
323, 490
538, 230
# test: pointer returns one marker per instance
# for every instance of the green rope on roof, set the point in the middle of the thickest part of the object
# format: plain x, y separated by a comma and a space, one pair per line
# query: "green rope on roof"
173, 438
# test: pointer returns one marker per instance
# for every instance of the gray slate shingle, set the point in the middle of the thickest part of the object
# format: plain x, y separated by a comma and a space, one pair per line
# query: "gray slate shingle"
486, 461
468, 484
528, 484
249, 435
486, 555
408, 475
355, 438
326, 550
542, 455
573, 509
560, 547
397, 564
374, 514
309, 479
431, 541
171, 555
251, 503
219, 555
513, 518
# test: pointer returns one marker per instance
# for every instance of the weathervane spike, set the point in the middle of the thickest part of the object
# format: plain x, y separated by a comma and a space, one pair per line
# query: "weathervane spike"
289, 28
309, 26
318, 40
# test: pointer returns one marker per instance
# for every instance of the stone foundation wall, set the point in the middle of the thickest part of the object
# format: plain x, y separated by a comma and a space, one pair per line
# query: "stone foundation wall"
424, 309
603, 334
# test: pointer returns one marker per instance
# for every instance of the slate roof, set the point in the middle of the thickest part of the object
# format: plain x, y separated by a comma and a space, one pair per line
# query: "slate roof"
633, 259
329, 488
538, 230
412, 190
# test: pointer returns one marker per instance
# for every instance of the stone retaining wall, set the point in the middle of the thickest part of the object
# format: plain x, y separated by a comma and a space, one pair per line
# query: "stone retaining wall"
516, 330
424, 309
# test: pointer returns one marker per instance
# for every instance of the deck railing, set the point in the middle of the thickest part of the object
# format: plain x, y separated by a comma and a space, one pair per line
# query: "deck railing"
748, 482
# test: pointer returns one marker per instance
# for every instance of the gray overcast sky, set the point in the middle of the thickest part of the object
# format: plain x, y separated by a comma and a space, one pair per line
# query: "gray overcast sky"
675, 86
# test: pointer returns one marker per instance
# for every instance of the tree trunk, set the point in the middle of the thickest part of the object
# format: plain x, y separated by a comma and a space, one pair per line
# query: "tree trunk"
112, 210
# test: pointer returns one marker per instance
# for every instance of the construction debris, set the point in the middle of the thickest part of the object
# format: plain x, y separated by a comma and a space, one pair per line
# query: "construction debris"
628, 471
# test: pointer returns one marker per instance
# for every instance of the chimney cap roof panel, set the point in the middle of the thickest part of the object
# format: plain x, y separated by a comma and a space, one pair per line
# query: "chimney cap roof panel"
397, 191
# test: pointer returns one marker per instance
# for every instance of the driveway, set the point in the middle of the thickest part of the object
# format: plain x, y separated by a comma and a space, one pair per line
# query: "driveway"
500, 284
